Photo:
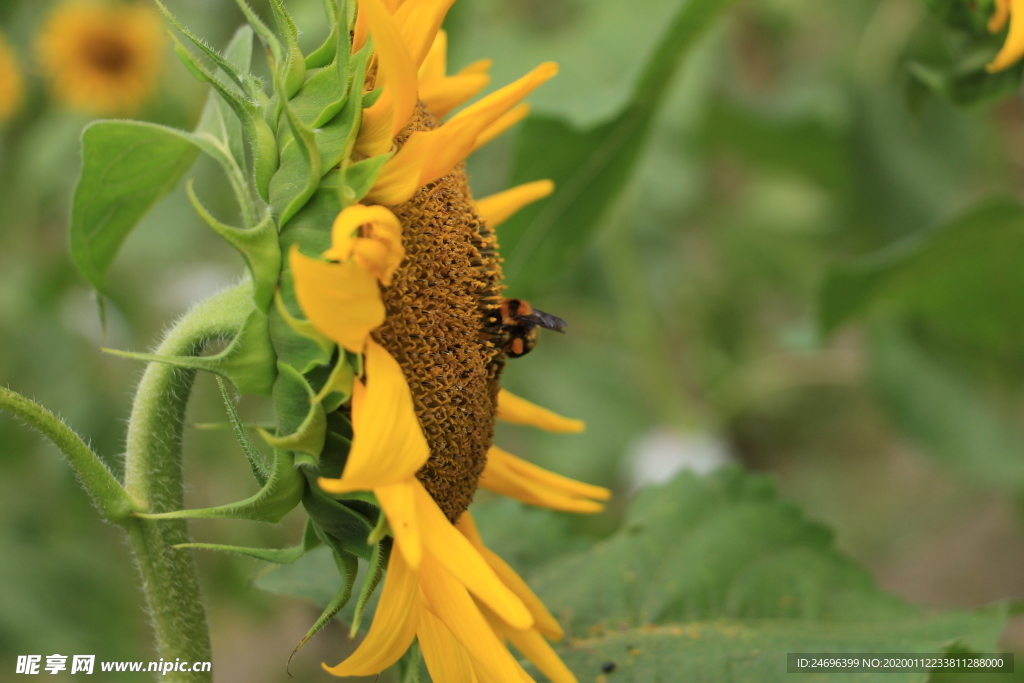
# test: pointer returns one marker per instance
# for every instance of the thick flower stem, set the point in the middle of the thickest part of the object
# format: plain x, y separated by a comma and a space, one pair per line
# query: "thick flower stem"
153, 480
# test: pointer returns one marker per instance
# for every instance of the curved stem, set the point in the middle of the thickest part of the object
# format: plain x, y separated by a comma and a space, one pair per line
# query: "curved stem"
153, 479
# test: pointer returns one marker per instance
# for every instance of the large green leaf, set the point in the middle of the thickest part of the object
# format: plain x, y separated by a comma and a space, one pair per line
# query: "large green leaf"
964, 277
591, 168
126, 167
715, 578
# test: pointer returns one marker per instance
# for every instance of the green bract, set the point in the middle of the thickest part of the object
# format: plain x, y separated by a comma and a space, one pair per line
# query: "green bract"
286, 155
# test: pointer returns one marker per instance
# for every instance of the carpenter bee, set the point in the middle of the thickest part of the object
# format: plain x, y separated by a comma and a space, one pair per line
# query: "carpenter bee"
516, 324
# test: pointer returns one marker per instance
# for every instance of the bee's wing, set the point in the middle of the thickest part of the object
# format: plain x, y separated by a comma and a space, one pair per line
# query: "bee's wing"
545, 320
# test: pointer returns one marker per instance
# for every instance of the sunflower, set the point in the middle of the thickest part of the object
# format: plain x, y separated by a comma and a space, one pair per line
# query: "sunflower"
101, 58
11, 85
412, 283
1008, 12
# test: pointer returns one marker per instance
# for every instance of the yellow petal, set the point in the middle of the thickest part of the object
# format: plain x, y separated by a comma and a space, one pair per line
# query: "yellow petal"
435, 64
419, 23
516, 478
543, 620
398, 180
458, 555
342, 300
442, 95
458, 137
1000, 16
516, 410
451, 604
388, 446
372, 236
446, 659
1013, 48
399, 504
394, 624
495, 210
396, 72
499, 127
533, 646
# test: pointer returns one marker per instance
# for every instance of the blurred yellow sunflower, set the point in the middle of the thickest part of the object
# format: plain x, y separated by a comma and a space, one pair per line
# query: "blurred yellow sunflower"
101, 57
1012, 12
412, 281
11, 83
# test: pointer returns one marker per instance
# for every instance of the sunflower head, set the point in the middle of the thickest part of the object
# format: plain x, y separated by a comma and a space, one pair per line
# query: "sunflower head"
11, 82
100, 57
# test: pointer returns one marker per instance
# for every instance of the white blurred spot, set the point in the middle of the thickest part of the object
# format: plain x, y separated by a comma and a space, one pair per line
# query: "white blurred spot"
662, 453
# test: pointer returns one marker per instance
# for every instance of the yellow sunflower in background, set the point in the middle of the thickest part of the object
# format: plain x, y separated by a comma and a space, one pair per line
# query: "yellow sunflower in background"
1012, 12
11, 83
101, 58
412, 281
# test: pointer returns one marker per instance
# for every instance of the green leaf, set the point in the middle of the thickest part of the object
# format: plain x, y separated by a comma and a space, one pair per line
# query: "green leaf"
590, 168
218, 118
755, 652
741, 576
106, 491
126, 167
944, 412
292, 66
360, 176
963, 277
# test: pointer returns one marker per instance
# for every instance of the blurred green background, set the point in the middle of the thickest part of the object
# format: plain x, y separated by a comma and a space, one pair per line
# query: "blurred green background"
814, 272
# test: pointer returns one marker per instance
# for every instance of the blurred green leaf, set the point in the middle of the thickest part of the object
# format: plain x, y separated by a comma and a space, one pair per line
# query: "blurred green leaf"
724, 549
755, 652
126, 167
964, 277
944, 412
590, 168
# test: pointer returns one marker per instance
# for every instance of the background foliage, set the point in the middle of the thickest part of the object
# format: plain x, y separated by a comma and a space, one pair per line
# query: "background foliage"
811, 272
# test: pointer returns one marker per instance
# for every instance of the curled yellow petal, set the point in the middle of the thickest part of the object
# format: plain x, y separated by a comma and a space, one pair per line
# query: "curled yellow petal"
543, 620
516, 478
396, 72
400, 176
388, 446
394, 624
495, 210
341, 300
419, 23
446, 659
442, 95
499, 127
1000, 16
442, 540
450, 602
372, 236
1013, 48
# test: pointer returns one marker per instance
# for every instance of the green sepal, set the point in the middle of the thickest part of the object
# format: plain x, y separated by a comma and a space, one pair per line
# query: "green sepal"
337, 390
344, 521
290, 555
258, 245
266, 157
375, 572
371, 97
282, 492
336, 139
325, 54
299, 174
218, 118
248, 362
302, 423
267, 36
348, 567
245, 82
360, 177
255, 459
292, 67
106, 492
297, 341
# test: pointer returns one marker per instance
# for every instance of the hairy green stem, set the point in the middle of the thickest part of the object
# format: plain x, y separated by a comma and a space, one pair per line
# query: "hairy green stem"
153, 479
